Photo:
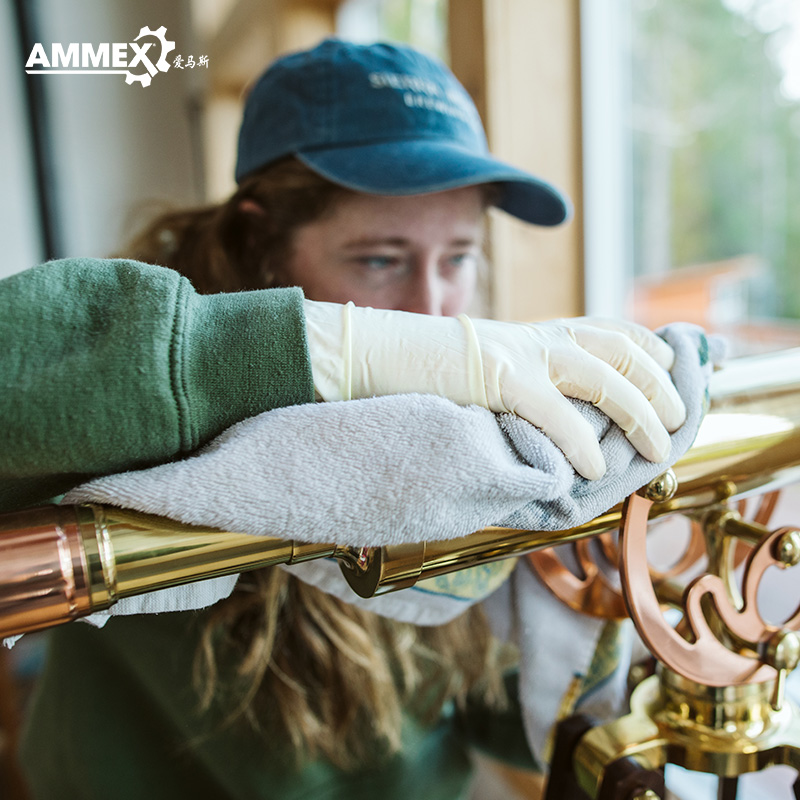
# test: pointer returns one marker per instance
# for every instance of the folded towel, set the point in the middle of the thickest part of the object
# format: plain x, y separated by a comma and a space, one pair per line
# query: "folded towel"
409, 468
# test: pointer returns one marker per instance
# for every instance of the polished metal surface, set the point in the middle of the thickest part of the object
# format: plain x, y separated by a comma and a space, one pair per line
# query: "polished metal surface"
722, 634
726, 731
44, 578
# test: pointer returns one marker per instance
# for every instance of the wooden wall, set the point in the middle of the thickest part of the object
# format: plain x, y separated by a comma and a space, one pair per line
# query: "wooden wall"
520, 61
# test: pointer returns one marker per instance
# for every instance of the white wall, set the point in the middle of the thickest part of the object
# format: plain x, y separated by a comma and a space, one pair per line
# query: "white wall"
118, 148
19, 232
608, 270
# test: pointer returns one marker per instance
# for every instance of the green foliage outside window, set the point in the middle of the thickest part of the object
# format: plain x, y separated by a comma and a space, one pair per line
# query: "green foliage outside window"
716, 141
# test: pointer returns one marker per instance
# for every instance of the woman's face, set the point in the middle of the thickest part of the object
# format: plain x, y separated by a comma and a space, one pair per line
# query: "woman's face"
417, 253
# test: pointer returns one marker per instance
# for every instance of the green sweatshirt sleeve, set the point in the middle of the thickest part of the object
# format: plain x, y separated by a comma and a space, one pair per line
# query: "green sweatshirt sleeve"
108, 365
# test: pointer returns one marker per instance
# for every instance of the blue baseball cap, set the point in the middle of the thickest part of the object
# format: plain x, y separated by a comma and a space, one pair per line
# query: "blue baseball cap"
382, 119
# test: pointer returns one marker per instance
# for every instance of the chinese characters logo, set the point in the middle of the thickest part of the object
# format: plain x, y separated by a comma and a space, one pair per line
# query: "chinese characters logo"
139, 61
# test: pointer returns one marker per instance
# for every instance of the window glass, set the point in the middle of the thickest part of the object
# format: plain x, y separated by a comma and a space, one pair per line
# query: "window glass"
421, 23
714, 136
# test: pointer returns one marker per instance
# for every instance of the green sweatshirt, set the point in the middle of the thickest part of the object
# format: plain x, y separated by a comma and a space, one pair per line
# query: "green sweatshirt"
114, 718
108, 365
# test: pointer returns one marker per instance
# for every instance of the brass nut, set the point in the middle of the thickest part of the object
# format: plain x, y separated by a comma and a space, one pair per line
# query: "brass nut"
787, 549
783, 650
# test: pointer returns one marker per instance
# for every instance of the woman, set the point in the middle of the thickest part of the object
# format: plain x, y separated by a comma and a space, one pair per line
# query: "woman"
363, 177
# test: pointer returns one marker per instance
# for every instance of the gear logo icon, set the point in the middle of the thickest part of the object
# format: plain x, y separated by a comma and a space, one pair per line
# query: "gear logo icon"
162, 65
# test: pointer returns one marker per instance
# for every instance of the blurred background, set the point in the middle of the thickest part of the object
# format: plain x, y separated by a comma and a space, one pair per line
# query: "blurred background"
674, 125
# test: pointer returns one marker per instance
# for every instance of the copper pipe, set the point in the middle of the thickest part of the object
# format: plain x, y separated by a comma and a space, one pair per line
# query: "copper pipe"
64, 562
60, 563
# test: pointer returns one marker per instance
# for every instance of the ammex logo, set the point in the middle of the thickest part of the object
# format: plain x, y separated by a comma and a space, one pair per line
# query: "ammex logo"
139, 61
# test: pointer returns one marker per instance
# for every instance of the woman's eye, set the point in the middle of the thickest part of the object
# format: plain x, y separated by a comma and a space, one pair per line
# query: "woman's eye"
378, 263
462, 259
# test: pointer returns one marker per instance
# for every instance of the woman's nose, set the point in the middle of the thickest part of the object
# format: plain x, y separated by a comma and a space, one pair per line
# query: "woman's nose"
424, 293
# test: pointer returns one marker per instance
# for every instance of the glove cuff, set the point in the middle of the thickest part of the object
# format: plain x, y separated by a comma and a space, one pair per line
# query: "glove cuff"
475, 377
330, 348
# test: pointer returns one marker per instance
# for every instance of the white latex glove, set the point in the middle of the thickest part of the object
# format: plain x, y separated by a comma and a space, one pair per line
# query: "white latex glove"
526, 369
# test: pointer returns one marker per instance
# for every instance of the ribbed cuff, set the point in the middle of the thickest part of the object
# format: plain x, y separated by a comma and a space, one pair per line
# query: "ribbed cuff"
237, 355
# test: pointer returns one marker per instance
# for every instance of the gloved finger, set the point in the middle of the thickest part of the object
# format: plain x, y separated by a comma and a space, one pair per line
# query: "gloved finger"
561, 422
640, 368
650, 342
588, 378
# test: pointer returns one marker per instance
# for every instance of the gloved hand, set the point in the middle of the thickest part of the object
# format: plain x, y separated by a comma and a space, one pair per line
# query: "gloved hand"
526, 369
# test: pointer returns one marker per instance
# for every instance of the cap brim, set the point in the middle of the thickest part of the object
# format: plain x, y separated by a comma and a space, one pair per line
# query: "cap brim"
422, 166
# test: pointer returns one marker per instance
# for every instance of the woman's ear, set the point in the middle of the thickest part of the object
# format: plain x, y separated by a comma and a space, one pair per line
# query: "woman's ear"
251, 207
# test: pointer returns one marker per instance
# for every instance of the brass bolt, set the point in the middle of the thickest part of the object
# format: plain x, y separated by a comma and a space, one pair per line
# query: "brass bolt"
662, 488
787, 549
355, 558
647, 794
724, 490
